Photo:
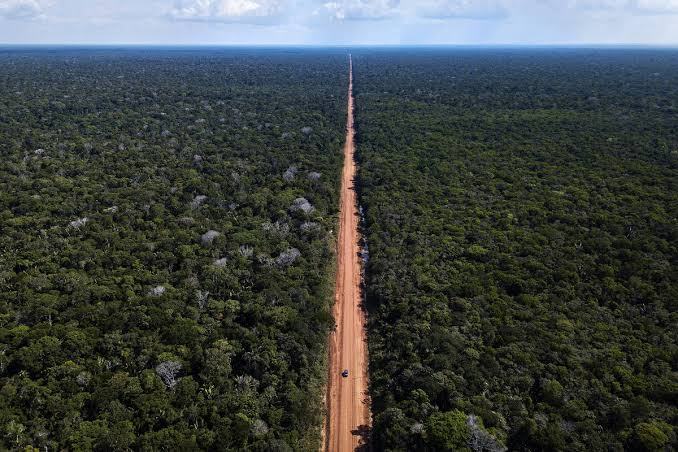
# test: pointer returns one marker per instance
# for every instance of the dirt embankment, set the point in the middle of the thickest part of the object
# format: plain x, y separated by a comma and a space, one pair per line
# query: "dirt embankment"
349, 418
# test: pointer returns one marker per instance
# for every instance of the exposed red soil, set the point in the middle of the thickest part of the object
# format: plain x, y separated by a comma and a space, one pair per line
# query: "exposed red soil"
349, 417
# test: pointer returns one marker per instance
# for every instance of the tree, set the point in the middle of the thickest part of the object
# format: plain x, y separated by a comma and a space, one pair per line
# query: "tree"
168, 371
650, 436
447, 431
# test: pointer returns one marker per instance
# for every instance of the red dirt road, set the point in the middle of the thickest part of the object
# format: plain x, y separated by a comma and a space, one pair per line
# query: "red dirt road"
348, 418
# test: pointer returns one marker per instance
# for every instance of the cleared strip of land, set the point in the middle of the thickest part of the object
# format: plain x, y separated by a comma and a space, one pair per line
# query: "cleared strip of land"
348, 402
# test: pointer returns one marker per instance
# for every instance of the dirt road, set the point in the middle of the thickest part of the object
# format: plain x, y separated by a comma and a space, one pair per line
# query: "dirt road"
348, 403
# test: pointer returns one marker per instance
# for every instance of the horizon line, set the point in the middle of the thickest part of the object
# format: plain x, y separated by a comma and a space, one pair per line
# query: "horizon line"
320, 46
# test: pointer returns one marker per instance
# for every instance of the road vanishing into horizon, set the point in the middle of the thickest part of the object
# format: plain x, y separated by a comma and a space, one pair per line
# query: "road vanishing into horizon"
349, 418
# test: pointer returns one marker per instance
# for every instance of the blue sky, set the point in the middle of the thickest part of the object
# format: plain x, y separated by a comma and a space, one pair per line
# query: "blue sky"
339, 22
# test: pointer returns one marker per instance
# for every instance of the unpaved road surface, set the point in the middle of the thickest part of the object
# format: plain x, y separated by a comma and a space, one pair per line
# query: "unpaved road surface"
348, 419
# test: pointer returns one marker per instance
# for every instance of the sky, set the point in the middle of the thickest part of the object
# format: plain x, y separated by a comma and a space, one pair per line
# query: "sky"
339, 22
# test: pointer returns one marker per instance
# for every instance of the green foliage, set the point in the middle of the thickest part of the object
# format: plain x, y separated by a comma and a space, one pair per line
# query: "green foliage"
520, 212
552, 392
390, 430
447, 431
651, 436
121, 328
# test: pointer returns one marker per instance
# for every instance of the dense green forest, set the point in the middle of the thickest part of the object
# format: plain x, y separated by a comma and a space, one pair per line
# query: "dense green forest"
166, 241
167, 222
521, 215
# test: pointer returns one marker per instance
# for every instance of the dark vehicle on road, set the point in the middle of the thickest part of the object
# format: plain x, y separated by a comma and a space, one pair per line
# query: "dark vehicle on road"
344, 373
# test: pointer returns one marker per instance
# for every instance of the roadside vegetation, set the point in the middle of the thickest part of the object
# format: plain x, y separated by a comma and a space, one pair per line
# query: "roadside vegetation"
166, 245
520, 211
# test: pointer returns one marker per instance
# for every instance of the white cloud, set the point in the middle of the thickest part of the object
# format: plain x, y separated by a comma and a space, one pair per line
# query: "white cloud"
462, 9
361, 9
650, 7
20, 9
656, 6
248, 11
